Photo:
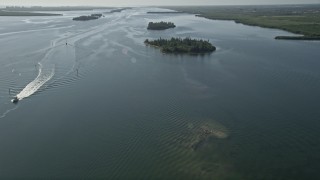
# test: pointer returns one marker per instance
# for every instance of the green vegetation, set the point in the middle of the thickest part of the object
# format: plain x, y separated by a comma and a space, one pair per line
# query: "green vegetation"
97, 15
178, 45
87, 18
160, 25
302, 19
14, 13
165, 12
119, 10
298, 38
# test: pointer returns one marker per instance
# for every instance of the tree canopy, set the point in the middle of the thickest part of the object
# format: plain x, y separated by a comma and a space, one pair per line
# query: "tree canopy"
186, 45
160, 25
87, 18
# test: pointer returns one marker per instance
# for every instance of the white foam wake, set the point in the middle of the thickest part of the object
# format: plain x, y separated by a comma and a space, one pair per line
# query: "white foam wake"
40, 80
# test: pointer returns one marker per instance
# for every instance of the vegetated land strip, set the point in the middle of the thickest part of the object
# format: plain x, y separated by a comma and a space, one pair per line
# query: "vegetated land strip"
88, 18
165, 12
302, 19
31, 11
160, 25
119, 10
182, 46
15, 13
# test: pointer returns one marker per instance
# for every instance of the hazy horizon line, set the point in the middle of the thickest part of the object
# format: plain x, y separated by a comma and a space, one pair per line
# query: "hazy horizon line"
142, 5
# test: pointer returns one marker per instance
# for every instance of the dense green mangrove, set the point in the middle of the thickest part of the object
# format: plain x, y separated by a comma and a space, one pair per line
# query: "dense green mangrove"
160, 25
178, 45
87, 18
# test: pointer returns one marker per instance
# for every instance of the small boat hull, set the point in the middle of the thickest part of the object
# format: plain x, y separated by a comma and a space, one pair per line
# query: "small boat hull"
15, 100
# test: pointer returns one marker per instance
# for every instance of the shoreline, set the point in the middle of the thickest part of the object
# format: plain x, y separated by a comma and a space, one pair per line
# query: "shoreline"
24, 13
305, 27
297, 37
178, 53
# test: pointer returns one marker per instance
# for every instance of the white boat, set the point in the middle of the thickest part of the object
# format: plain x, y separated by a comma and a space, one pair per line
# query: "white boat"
15, 100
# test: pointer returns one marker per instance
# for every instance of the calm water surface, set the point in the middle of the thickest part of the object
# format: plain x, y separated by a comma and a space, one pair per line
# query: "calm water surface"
107, 106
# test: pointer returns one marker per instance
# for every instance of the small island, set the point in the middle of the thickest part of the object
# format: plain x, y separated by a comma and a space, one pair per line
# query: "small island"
119, 10
160, 25
186, 45
87, 18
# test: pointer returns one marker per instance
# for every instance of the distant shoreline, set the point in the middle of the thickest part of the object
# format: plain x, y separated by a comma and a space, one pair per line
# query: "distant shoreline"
57, 8
15, 13
301, 20
297, 38
43, 11
165, 12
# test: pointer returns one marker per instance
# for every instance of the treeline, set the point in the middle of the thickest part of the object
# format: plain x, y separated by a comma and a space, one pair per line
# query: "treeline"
22, 13
87, 18
119, 10
302, 19
165, 12
310, 38
186, 45
160, 25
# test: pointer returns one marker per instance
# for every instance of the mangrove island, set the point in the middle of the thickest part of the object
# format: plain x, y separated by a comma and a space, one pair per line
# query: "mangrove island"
186, 45
87, 18
119, 10
160, 25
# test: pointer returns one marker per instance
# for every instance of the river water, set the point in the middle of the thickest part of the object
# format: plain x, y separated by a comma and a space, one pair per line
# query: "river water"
95, 102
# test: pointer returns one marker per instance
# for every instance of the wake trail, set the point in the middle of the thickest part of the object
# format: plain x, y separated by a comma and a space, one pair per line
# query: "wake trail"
7, 112
40, 80
47, 66
46, 71
34, 30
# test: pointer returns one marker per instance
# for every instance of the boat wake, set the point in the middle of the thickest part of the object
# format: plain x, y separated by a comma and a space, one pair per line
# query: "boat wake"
60, 59
7, 112
44, 76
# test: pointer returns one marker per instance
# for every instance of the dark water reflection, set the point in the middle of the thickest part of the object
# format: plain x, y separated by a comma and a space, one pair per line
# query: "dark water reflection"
117, 109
